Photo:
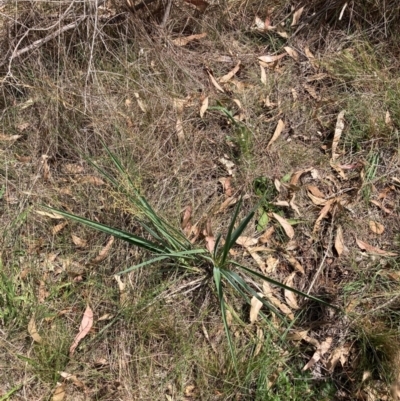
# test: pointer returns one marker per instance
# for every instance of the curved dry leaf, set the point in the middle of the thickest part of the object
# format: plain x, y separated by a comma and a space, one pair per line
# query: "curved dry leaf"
84, 328
311, 91
227, 186
59, 393
79, 242
338, 133
104, 252
376, 227
230, 74
339, 242
267, 235
33, 331
385, 209
72, 378
317, 201
371, 249
339, 354
209, 237
292, 53
186, 218
294, 179
285, 225
290, 296
325, 210
296, 16
315, 191
278, 130
204, 106
267, 289
271, 58
214, 81
255, 308
321, 350
187, 39
246, 241
295, 263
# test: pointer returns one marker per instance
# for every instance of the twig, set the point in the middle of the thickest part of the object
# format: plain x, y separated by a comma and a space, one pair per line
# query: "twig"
328, 249
166, 14
40, 42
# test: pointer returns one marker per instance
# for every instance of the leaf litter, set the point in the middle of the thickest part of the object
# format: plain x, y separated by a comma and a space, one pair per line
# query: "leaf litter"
84, 328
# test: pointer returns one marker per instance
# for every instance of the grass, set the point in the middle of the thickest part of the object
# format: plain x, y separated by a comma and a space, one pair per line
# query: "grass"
163, 336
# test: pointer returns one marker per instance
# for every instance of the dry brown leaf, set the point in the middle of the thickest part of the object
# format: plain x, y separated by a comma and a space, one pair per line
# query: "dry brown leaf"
338, 133
267, 289
292, 53
9, 138
388, 119
258, 259
226, 185
271, 58
267, 235
297, 335
376, 227
296, 16
263, 75
290, 296
255, 308
72, 378
325, 210
140, 103
56, 229
84, 328
317, 201
321, 350
79, 242
204, 106
373, 250
45, 167
285, 225
338, 169
104, 252
294, 206
278, 130
260, 340
187, 39
294, 263
59, 393
246, 241
123, 296
294, 179
385, 209
315, 191
91, 179
228, 202
230, 74
214, 81
186, 217
311, 91
339, 354
179, 105
339, 241
33, 331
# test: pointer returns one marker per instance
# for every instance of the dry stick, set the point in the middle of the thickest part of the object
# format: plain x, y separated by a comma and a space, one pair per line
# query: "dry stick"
166, 14
40, 42
325, 255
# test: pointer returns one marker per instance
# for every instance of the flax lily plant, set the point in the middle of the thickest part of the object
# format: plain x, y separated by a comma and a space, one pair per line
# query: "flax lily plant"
164, 242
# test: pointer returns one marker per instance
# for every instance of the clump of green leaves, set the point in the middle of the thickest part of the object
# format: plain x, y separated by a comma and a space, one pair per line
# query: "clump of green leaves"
170, 245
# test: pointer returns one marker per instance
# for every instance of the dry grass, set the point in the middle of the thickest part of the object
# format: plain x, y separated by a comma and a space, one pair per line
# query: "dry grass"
117, 77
